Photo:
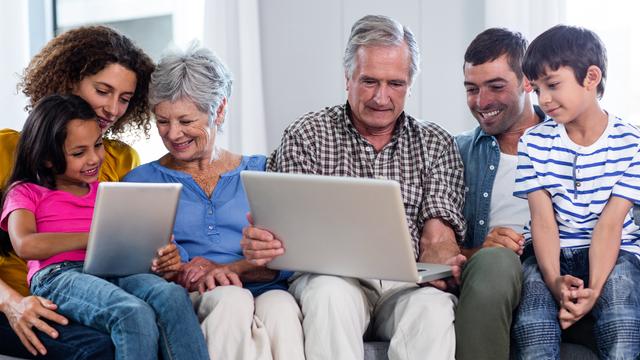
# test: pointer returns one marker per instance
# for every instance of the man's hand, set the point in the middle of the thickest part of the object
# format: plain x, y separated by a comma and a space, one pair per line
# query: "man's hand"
218, 276
259, 246
167, 262
504, 237
456, 263
25, 313
438, 245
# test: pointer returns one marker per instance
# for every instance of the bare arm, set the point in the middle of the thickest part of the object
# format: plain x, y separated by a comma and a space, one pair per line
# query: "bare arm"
31, 245
605, 241
603, 253
252, 273
25, 313
546, 239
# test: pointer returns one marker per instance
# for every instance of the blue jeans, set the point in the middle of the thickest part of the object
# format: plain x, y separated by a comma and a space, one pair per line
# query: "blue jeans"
75, 342
536, 330
141, 312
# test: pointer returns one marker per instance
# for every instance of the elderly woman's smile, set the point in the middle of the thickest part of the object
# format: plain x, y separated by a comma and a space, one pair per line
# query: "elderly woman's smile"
184, 130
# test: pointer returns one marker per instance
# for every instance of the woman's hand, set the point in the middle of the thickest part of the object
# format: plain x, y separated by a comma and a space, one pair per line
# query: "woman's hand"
193, 271
167, 262
26, 313
219, 275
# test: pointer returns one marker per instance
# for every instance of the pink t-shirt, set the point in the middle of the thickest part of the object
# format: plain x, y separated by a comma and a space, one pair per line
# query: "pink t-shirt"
54, 211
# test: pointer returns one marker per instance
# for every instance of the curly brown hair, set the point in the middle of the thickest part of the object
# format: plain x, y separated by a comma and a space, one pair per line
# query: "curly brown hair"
71, 56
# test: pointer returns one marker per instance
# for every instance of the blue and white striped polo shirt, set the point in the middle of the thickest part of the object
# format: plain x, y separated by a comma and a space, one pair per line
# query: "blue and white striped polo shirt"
580, 179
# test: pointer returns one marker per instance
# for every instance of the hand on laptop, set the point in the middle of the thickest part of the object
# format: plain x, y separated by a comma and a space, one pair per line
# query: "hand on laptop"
456, 262
438, 245
167, 262
259, 246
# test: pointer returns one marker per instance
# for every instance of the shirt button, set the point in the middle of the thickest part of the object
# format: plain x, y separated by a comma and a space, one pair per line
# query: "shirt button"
210, 227
481, 222
493, 143
210, 212
485, 195
491, 167
578, 184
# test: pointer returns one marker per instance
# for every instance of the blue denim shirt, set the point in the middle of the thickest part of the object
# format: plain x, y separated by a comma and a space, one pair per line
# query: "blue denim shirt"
481, 157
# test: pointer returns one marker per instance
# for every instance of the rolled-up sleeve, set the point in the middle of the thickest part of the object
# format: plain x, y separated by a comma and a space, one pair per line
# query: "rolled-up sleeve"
444, 188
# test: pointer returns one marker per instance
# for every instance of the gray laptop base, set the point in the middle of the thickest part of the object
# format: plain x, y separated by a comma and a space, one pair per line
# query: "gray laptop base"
131, 221
353, 227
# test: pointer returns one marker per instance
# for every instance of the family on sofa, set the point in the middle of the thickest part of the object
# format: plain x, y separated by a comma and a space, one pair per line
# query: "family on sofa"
532, 209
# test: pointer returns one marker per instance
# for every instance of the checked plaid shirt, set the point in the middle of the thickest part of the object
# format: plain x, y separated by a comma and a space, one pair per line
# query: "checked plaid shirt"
421, 156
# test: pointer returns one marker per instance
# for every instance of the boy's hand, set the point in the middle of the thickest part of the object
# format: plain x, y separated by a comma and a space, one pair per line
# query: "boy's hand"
576, 303
167, 261
563, 285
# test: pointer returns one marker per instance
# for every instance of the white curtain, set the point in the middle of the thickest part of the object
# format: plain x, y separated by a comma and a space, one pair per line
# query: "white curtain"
232, 30
14, 47
530, 17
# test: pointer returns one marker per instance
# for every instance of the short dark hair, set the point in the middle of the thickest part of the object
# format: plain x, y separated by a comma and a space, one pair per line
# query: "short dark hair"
40, 154
495, 42
571, 46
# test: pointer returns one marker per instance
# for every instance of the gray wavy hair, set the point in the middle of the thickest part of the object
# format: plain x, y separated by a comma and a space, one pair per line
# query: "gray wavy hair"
378, 30
196, 74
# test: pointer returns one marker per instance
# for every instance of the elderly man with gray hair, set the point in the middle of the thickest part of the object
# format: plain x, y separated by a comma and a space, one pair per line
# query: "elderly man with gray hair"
245, 310
371, 136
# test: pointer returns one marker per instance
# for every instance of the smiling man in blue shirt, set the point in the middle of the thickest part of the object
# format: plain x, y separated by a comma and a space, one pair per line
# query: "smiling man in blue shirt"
498, 97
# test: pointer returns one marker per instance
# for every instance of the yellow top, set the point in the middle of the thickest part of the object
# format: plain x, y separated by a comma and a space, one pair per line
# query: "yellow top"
119, 159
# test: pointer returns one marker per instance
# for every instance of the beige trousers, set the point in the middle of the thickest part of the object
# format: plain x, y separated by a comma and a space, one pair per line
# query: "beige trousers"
237, 326
338, 311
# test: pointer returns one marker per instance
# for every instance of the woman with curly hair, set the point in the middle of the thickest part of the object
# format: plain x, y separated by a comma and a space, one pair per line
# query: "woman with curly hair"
107, 70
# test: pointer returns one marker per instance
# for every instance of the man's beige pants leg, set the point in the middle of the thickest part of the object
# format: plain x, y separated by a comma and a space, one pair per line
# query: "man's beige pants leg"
337, 311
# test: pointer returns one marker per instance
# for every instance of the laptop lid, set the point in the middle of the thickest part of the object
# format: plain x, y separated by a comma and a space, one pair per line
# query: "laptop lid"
130, 222
343, 226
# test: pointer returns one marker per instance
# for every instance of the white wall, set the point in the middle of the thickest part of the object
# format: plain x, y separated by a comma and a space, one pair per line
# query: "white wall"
303, 43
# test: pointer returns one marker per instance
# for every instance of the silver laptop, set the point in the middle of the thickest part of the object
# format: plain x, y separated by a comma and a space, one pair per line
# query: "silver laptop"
131, 221
343, 226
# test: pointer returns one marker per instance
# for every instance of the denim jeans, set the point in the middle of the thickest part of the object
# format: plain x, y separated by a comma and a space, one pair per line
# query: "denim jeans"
74, 342
142, 312
536, 330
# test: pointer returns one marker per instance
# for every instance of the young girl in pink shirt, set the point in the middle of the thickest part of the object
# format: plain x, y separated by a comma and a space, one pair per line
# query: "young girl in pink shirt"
47, 211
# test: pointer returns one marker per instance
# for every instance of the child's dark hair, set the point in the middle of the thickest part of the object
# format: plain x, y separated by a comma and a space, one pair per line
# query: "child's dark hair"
40, 151
571, 46
495, 42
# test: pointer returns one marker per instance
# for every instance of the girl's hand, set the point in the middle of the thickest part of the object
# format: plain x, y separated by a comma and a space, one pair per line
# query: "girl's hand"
25, 313
167, 261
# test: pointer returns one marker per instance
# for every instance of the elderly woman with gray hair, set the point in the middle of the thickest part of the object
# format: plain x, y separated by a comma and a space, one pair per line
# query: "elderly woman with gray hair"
245, 310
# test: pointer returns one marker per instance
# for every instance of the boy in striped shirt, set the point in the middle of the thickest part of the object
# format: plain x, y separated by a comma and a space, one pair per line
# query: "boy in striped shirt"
580, 171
